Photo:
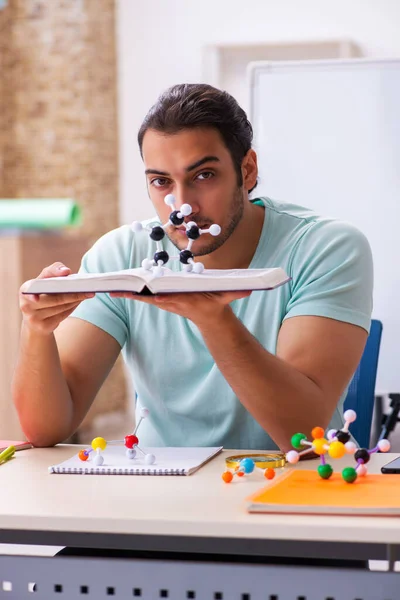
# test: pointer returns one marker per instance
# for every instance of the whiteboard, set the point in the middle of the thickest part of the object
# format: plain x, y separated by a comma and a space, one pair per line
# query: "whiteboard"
327, 134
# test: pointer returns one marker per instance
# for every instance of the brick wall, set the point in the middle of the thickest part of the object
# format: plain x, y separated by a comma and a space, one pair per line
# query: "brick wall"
58, 117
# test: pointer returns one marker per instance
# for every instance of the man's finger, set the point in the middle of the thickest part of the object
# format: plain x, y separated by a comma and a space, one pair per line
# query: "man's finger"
57, 269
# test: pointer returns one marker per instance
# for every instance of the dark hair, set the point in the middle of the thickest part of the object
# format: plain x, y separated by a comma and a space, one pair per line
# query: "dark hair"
190, 105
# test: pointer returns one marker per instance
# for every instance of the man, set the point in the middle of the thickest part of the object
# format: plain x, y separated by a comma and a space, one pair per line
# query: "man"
237, 369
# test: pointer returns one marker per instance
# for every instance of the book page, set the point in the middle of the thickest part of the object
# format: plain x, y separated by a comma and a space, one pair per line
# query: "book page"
219, 280
128, 280
125, 274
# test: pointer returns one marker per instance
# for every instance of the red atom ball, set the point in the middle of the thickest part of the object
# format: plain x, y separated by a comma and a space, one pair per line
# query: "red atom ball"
131, 440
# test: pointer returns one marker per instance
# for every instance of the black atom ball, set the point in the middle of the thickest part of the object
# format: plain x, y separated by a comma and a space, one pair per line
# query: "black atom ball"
162, 255
362, 454
342, 436
157, 233
173, 217
184, 256
193, 232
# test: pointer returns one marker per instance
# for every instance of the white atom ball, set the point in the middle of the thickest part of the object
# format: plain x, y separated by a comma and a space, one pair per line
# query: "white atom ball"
350, 447
136, 226
149, 459
158, 271
215, 229
350, 416
187, 267
384, 445
198, 267
169, 199
130, 453
185, 209
98, 460
331, 434
147, 263
361, 470
144, 412
292, 457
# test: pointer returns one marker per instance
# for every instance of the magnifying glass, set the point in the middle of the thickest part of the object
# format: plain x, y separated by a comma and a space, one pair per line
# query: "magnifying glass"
262, 460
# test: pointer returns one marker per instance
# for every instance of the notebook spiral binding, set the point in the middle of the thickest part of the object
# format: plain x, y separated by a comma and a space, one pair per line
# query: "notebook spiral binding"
114, 471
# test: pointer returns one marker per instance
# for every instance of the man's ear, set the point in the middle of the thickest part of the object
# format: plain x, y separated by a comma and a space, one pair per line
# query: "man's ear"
249, 169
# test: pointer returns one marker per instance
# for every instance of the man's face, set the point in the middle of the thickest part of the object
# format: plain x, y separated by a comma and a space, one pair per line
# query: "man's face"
196, 167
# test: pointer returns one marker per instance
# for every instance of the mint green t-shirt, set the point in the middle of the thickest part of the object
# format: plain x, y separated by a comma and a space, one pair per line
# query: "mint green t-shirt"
175, 376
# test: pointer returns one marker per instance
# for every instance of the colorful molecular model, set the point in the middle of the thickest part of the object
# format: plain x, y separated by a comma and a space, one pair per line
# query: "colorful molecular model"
336, 445
131, 443
157, 233
246, 466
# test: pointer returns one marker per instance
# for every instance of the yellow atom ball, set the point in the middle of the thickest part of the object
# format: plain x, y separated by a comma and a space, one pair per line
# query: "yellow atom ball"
318, 446
99, 442
336, 450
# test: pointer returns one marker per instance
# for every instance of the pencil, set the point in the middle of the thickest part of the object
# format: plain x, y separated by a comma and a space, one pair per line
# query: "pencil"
7, 454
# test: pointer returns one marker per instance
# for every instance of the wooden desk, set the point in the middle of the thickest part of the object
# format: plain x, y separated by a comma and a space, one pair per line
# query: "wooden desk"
200, 515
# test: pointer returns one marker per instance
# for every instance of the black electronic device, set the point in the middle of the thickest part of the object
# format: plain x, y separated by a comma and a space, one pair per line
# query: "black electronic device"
391, 467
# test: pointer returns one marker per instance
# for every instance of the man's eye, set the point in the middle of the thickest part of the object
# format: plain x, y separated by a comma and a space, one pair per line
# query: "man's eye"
205, 175
159, 182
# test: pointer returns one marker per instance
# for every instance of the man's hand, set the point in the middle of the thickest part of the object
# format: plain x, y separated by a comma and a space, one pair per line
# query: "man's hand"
202, 308
42, 313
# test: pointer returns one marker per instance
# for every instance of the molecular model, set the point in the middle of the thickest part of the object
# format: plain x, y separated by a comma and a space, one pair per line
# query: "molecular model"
246, 466
157, 233
131, 443
336, 445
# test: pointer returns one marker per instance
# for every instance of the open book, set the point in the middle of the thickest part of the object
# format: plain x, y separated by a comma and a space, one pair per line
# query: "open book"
141, 281
304, 492
168, 461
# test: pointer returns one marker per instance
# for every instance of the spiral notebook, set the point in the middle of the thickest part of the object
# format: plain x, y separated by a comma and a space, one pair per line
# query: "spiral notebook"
168, 461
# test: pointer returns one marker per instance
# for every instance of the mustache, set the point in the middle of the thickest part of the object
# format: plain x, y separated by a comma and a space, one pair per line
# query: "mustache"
200, 221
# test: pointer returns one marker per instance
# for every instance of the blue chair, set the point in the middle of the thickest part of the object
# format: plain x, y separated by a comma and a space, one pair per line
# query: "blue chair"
361, 393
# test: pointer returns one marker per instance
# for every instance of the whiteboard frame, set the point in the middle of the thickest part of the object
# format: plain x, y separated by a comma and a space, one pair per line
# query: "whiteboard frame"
254, 68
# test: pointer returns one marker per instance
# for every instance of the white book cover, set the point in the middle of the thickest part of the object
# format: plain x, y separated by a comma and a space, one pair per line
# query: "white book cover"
168, 461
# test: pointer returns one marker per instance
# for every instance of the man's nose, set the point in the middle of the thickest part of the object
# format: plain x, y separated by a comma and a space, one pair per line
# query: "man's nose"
185, 196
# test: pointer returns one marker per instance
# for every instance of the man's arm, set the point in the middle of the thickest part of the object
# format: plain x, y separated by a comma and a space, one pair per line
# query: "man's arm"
295, 390
60, 366
298, 388
58, 376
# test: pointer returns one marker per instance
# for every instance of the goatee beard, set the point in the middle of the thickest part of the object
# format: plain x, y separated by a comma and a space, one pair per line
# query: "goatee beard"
233, 219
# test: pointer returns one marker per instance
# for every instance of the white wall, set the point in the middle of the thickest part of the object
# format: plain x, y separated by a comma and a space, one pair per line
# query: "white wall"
160, 43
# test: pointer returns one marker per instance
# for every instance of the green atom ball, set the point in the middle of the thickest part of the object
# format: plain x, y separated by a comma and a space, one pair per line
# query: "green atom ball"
325, 471
296, 440
349, 474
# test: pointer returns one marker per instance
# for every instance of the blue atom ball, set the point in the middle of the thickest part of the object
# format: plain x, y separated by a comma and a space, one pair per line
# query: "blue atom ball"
247, 465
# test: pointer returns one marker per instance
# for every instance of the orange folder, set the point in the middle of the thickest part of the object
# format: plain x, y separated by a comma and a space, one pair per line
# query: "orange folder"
304, 492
